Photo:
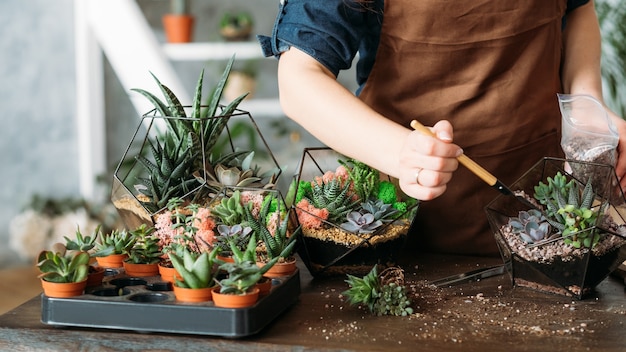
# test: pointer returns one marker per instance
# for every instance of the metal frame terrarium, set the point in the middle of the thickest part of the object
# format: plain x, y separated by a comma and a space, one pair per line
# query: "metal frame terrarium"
189, 152
351, 221
574, 237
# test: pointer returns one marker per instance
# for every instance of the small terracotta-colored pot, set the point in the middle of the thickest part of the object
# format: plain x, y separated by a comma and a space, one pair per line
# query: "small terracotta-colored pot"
96, 275
226, 259
112, 261
281, 269
178, 28
141, 270
64, 289
227, 300
184, 294
168, 274
264, 285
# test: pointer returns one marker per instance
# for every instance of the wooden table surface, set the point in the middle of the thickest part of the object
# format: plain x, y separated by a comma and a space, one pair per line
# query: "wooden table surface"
489, 315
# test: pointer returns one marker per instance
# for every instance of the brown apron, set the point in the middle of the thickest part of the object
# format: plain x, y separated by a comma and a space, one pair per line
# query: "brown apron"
491, 68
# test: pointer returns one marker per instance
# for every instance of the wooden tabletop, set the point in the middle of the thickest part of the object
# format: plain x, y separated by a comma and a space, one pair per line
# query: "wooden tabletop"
488, 315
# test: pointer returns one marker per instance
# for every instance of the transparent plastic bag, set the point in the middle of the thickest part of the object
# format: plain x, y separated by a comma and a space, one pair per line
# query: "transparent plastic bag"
588, 134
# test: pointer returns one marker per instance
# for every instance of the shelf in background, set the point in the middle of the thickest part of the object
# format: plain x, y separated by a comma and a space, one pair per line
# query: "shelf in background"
262, 107
213, 51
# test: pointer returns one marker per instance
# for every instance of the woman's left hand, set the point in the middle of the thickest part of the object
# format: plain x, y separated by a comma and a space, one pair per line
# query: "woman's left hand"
620, 166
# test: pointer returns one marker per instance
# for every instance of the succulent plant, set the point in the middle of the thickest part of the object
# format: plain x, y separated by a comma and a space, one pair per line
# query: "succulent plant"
569, 209
60, 265
243, 273
531, 226
364, 178
334, 196
381, 210
186, 144
115, 242
236, 170
360, 223
146, 249
229, 236
230, 211
196, 271
382, 296
82, 243
281, 243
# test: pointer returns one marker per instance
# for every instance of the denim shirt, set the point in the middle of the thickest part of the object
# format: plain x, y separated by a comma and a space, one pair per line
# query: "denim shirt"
333, 31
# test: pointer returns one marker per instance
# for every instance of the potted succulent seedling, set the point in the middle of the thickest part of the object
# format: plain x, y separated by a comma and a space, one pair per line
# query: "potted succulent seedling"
351, 218
63, 273
86, 244
187, 152
238, 288
198, 272
573, 238
145, 254
112, 248
383, 294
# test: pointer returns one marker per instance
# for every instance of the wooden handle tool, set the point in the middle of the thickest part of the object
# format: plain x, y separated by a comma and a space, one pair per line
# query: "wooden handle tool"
470, 164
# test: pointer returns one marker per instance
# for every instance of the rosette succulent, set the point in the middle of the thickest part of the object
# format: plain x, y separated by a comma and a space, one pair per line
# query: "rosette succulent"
361, 223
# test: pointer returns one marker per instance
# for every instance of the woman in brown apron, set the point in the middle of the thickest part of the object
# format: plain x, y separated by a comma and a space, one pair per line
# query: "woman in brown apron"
484, 73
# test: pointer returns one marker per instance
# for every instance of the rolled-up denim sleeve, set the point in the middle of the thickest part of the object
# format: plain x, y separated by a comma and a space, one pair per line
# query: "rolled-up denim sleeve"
328, 30
572, 4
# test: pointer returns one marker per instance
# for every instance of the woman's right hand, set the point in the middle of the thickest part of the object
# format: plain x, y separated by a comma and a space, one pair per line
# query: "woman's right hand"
427, 163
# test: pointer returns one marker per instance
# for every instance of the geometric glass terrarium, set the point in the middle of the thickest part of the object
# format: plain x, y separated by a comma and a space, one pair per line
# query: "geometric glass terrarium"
574, 237
164, 160
343, 230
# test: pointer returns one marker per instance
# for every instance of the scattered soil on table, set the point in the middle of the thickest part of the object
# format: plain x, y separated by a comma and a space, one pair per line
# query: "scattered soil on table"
454, 313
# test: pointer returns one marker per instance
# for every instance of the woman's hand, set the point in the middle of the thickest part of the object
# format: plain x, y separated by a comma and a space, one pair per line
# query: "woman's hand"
427, 163
620, 165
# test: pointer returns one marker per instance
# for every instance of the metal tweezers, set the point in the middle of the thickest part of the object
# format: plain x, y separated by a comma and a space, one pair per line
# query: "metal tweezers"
474, 275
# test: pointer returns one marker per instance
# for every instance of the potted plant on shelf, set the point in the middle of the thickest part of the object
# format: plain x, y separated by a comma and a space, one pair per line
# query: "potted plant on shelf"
178, 23
86, 244
145, 254
351, 217
573, 238
198, 272
188, 153
112, 248
236, 26
63, 273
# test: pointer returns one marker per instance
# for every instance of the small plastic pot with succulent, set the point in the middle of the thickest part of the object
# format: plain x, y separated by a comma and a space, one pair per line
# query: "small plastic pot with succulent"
86, 244
346, 202
112, 248
145, 254
573, 234
63, 273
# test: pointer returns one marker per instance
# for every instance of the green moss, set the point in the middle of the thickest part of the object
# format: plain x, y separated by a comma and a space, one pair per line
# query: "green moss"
387, 192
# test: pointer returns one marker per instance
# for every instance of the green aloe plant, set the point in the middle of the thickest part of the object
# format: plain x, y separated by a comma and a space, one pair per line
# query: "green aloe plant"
185, 148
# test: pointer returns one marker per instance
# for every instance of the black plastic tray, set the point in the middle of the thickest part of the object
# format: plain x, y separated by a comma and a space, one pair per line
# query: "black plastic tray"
148, 305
